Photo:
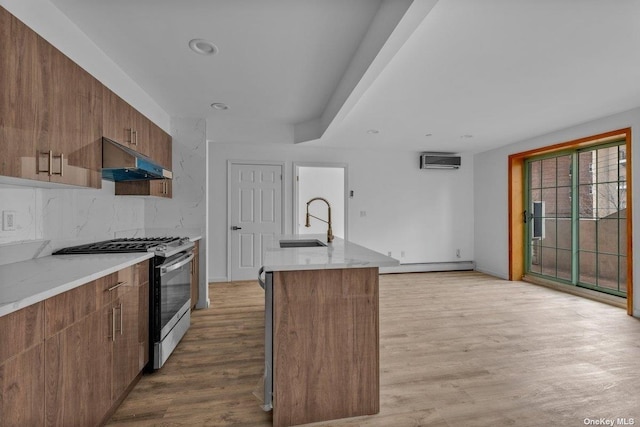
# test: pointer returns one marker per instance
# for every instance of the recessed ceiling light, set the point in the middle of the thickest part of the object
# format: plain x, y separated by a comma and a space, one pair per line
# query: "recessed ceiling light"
373, 131
466, 136
219, 106
203, 47
428, 134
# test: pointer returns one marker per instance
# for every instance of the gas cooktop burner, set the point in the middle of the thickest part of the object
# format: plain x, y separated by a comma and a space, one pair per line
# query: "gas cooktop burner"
123, 245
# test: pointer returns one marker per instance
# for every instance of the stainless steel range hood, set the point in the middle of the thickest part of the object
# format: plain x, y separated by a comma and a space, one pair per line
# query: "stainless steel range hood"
120, 163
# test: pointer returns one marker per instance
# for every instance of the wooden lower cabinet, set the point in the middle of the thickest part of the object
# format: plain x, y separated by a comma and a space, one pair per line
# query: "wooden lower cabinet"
68, 360
325, 345
124, 312
195, 275
78, 372
22, 381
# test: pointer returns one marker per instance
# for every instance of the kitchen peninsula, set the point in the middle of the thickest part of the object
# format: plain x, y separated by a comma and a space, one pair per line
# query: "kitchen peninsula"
321, 329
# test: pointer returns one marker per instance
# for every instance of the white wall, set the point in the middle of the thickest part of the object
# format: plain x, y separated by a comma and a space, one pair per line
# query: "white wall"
491, 196
323, 182
428, 214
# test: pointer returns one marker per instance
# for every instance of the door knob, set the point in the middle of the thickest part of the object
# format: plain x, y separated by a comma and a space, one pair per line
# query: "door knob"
236, 228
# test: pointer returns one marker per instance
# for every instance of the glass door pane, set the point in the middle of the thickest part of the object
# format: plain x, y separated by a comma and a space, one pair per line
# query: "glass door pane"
549, 233
576, 222
602, 219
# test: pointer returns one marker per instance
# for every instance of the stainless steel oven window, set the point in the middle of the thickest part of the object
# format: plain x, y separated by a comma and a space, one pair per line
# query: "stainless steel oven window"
175, 289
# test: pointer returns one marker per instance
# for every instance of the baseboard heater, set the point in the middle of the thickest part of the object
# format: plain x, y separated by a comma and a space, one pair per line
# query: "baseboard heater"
429, 266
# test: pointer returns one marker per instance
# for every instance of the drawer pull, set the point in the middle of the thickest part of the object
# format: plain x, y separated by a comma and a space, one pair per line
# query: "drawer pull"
117, 285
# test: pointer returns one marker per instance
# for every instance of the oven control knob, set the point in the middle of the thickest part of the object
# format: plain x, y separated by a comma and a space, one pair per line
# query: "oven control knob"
161, 247
184, 240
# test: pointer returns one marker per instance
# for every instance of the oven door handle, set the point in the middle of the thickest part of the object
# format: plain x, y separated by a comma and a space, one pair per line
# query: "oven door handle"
177, 265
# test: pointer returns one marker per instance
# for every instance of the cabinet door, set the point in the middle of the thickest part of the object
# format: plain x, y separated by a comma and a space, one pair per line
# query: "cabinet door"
161, 188
143, 325
78, 372
23, 99
141, 129
156, 187
75, 137
117, 123
195, 275
142, 278
160, 147
125, 341
22, 367
22, 389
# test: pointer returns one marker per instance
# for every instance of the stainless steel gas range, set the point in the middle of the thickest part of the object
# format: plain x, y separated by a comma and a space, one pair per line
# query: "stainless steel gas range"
170, 287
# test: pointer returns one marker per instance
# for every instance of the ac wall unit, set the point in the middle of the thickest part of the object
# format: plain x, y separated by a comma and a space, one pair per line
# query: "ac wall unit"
439, 161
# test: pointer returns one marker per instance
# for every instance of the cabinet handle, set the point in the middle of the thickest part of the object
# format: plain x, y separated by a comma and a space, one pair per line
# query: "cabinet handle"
113, 324
61, 157
38, 155
134, 138
117, 285
131, 136
121, 319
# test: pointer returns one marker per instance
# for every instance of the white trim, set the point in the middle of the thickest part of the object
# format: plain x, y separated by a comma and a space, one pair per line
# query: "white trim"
283, 172
429, 266
296, 166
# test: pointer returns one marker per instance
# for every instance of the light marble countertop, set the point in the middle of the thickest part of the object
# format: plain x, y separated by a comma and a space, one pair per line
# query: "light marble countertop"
28, 282
337, 254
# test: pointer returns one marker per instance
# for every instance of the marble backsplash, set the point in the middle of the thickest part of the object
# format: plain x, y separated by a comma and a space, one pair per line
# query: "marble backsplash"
47, 219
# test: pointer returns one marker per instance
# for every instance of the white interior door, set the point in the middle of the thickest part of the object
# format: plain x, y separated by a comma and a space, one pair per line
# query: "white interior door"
255, 215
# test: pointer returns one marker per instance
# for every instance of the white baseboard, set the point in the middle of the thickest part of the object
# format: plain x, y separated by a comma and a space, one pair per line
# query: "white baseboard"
492, 273
428, 266
218, 279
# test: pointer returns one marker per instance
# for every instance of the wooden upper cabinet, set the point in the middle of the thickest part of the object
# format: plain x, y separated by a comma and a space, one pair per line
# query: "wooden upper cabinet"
53, 114
23, 99
75, 135
160, 146
124, 124
50, 111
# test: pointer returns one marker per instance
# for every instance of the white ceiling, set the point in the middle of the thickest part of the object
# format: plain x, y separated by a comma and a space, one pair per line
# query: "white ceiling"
473, 74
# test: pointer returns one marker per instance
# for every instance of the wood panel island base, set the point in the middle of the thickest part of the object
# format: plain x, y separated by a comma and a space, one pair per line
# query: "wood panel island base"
321, 331
325, 345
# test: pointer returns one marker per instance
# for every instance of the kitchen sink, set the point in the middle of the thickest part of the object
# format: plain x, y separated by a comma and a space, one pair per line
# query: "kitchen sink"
301, 243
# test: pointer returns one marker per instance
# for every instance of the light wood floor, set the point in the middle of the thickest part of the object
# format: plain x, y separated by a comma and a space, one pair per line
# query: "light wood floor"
456, 349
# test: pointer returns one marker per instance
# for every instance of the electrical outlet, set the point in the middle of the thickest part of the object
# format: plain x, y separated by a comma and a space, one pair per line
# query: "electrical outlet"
389, 253
363, 213
402, 254
8, 220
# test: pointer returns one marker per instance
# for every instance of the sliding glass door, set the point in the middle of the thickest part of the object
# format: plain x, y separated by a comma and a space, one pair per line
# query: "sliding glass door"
576, 217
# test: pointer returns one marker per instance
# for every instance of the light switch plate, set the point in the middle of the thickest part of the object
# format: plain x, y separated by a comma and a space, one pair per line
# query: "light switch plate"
8, 220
